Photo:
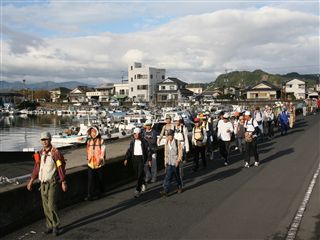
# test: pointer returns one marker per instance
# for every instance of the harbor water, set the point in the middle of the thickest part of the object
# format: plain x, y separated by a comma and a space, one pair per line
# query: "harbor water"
18, 131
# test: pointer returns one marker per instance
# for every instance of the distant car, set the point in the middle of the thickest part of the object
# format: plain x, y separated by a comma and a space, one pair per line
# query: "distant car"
140, 104
115, 103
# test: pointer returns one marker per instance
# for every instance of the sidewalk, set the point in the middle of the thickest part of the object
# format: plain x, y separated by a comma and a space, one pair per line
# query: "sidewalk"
77, 157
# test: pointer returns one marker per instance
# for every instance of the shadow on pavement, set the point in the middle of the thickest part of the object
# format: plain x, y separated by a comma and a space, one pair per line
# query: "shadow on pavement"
215, 177
277, 155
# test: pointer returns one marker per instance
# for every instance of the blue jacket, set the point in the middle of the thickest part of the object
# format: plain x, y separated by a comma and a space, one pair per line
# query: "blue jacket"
284, 117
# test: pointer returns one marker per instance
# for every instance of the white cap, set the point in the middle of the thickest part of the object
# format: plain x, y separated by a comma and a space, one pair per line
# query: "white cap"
247, 113
177, 118
148, 123
137, 130
226, 115
45, 135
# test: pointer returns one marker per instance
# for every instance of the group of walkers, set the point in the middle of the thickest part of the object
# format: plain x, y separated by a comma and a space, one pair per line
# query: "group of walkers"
242, 129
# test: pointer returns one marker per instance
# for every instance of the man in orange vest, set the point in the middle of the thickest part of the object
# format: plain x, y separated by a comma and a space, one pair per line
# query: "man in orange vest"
49, 169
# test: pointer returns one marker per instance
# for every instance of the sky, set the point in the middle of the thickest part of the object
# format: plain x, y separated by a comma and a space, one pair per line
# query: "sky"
95, 41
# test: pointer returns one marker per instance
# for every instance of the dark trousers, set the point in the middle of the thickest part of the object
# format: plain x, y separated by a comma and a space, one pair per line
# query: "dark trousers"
270, 128
224, 149
138, 168
170, 172
284, 128
252, 147
202, 151
95, 181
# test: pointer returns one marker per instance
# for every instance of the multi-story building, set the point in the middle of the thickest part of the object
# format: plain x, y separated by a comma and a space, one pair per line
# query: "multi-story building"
59, 94
102, 93
263, 90
121, 89
297, 88
78, 95
197, 88
171, 91
143, 81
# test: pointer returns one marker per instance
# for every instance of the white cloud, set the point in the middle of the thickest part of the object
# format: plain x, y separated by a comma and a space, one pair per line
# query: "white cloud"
193, 48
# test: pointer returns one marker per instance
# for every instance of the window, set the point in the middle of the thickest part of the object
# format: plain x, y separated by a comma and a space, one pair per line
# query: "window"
257, 95
131, 67
131, 79
172, 87
163, 87
142, 87
301, 86
132, 89
122, 92
142, 76
151, 76
135, 76
289, 85
162, 76
163, 97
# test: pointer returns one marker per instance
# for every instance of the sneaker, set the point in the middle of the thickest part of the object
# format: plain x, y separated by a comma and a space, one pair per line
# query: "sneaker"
163, 194
247, 165
89, 198
256, 164
143, 187
236, 148
179, 190
55, 231
153, 180
226, 163
136, 194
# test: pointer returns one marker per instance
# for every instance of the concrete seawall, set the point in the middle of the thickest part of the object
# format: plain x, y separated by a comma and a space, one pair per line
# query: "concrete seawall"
19, 207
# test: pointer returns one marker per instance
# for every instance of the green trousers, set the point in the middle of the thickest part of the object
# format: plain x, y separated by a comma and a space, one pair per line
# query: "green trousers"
49, 196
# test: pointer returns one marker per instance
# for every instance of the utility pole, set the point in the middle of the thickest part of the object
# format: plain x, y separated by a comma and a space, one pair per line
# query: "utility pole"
24, 88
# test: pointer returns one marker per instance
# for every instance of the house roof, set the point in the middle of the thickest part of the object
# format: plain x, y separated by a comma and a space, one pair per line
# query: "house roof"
105, 86
195, 85
173, 81
10, 93
61, 89
295, 80
119, 97
269, 86
183, 92
82, 89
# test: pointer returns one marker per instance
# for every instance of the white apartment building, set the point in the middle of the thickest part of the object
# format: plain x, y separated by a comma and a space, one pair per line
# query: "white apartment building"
297, 88
143, 80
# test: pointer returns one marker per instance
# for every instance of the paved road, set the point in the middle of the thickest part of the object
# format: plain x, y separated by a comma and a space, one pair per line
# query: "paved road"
218, 203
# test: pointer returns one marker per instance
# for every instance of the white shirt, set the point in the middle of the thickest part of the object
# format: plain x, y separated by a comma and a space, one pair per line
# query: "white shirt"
47, 168
251, 125
182, 137
258, 116
137, 148
223, 127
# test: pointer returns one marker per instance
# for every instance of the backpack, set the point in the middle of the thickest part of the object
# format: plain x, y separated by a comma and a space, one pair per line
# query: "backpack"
174, 129
58, 162
202, 131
